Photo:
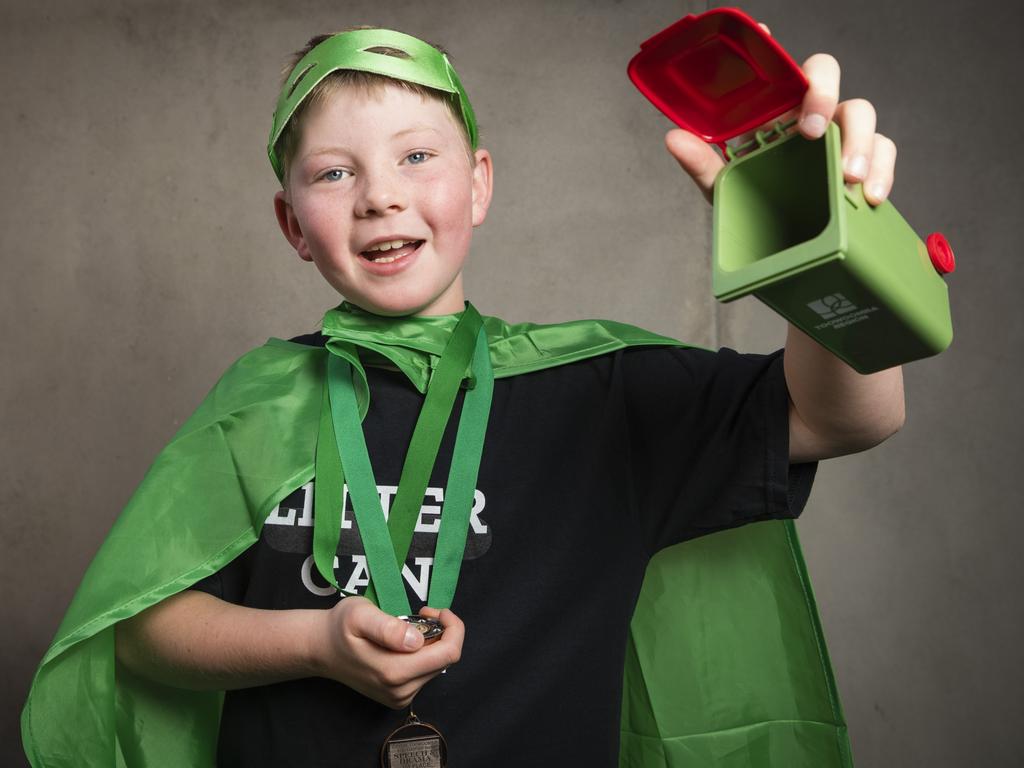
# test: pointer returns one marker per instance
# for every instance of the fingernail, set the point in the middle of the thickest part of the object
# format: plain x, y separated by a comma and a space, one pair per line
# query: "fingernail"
857, 166
412, 637
814, 125
877, 191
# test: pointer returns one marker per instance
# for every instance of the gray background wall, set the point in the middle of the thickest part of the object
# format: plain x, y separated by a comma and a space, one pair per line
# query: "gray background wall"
140, 256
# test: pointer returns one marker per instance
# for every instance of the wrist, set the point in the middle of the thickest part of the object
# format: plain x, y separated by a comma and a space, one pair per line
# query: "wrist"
315, 648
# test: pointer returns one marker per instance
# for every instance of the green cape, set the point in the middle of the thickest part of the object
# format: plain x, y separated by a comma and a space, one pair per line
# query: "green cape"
726, 664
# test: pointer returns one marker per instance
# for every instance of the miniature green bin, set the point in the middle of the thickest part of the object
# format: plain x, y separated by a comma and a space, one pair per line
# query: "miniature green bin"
787, 229
854, 277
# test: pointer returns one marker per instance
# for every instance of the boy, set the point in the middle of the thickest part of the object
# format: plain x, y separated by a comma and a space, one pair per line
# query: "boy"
604, 444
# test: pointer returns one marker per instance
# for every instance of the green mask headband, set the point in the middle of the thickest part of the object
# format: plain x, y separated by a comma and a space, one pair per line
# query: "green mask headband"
425, 66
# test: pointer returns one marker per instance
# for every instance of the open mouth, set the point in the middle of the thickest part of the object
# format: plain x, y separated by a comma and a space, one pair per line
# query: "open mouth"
385, 253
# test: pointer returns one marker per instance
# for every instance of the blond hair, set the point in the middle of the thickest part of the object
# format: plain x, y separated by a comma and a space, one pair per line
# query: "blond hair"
368, 83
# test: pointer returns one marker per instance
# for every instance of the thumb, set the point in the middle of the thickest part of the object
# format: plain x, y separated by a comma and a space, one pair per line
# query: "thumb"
695, 157
386, 631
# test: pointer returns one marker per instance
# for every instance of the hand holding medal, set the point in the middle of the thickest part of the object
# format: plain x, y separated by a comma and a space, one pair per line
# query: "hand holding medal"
382, 657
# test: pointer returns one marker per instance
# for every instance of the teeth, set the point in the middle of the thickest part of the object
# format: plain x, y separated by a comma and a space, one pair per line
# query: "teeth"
385, 260
390, 245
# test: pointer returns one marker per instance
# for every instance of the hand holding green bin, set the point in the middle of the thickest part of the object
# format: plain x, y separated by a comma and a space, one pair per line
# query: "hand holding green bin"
787, 229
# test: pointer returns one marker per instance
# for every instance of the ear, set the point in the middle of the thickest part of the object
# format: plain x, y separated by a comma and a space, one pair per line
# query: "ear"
289, 225
483, 185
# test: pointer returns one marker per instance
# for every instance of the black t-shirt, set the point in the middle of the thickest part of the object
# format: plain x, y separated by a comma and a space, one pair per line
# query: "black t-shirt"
588, 469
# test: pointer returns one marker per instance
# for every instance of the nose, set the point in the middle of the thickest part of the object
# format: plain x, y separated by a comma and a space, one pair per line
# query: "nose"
380, 193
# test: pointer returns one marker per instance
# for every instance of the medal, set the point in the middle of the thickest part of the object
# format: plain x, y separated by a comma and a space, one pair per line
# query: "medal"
414, 745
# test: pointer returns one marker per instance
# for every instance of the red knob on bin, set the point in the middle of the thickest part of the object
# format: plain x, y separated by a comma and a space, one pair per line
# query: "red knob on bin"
940, 253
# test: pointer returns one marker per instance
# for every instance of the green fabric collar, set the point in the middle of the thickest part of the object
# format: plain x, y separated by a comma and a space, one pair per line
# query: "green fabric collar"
414, 344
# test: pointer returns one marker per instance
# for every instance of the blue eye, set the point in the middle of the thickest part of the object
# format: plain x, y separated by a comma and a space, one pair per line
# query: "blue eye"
335, 174
422, 155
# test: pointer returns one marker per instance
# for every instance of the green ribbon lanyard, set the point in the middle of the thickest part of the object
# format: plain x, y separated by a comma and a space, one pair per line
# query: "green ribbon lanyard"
341, 454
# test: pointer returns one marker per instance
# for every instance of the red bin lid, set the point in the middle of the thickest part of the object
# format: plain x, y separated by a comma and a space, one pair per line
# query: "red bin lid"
717, 74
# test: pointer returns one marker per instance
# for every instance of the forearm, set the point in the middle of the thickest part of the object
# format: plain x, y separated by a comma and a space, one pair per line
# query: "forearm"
197, 641
836, 410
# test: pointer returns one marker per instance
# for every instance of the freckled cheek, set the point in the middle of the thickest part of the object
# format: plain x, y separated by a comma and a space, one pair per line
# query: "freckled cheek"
450, 212
324, 229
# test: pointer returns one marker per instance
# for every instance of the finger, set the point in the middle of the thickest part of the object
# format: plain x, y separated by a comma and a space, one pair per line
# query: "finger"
695, 157
454, 629
819, 104
421, 680
880, 177
447, 650
400, 669
382, 629
397, 685
428, 661
857, 121
404, 694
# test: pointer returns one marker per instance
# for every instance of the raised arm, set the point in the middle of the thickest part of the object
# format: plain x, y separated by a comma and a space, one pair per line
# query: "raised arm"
834, 410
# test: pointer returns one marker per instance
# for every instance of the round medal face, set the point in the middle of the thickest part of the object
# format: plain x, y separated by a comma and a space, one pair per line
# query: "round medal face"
414, 745
431, 629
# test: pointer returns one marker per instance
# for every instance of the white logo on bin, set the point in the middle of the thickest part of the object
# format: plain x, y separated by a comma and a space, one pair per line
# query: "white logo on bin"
832, 305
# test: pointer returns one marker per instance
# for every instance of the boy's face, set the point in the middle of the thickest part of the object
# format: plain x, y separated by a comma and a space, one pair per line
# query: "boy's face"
390, 166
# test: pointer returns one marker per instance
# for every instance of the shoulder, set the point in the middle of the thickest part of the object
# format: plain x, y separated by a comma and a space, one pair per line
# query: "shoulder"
718, 380
274, 359
279, 374
699, 362
527, 347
